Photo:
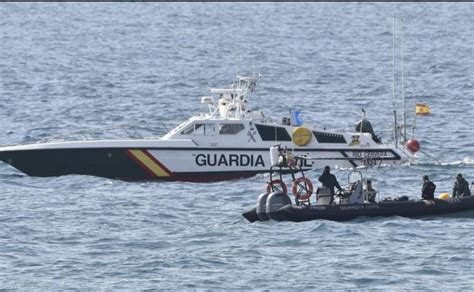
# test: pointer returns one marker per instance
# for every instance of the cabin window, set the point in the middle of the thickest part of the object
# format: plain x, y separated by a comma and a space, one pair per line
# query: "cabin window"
230, 129
200, 129
189, 130
271, 133
323, 137
204, 129
209, 129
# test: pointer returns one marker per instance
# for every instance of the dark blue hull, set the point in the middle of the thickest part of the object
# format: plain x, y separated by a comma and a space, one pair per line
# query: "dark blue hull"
115, 163
410, 209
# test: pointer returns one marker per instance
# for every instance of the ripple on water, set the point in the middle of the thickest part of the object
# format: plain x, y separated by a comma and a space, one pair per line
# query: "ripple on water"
68, 68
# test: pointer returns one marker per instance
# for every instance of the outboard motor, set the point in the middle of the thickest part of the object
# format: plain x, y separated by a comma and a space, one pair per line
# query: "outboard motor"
261, 207
365, 126
275, 201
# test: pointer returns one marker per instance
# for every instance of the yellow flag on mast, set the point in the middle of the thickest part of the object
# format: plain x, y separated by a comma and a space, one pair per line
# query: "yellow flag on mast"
422, 109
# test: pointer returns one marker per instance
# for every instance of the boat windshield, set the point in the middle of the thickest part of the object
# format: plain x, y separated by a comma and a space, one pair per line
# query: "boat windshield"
200, 129
210, 129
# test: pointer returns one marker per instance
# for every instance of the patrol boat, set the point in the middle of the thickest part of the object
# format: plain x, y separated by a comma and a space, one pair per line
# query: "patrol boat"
230, 141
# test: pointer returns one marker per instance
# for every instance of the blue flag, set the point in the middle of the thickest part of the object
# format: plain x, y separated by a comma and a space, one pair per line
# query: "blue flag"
295, 118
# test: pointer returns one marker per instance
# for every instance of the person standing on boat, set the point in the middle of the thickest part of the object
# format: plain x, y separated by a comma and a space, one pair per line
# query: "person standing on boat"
461, 187
427, 192
329, 180
371, 192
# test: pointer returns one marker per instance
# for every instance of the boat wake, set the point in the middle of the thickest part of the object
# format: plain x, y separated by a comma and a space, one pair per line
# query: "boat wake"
463, 162
11, 175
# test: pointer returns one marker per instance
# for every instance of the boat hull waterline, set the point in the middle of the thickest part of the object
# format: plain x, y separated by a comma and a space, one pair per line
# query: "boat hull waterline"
198, 164
410, 209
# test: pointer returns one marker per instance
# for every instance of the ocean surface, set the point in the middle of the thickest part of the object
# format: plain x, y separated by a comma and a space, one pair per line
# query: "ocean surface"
66, 67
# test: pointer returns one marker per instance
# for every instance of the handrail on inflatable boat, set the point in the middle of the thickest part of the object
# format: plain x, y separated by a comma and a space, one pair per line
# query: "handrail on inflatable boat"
283, 158
284, 161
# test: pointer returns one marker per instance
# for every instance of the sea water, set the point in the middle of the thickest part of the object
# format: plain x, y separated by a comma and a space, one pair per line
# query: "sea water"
66, 67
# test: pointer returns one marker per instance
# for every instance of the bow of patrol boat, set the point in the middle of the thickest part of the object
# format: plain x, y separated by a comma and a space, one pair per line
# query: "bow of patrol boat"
122, 159
159, 159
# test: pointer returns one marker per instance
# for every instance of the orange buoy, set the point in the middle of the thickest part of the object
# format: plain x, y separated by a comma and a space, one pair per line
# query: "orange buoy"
413, 145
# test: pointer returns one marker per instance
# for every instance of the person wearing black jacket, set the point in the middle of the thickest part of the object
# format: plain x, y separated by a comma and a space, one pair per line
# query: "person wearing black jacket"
461, 187
427, 192
329, 180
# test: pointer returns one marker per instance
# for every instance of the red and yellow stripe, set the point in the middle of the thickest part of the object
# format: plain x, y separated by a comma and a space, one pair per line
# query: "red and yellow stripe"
149, 163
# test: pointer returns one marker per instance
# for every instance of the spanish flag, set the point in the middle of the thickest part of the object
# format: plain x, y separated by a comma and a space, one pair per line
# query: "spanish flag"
422, 109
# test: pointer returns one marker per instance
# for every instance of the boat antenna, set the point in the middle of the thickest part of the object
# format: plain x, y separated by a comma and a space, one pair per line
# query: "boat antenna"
403, 85
237, 61
362, 122
414, 125
393, 85
253, 67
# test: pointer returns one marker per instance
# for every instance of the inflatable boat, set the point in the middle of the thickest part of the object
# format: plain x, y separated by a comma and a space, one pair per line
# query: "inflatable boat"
357, 199
278, 206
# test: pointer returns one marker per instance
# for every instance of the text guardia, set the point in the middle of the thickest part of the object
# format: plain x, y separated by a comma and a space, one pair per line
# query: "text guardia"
229, 160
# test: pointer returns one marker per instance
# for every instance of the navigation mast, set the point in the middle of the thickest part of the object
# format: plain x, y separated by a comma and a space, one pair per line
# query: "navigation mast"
395, 122
403, 84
